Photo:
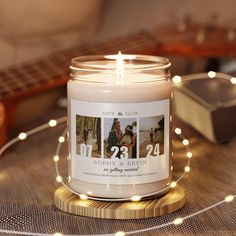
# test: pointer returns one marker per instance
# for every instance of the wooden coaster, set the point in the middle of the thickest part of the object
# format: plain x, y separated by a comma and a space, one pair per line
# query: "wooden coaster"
70, 203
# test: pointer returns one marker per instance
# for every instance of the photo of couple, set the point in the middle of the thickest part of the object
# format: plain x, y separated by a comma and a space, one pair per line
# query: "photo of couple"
151, 136
120, 138
88, 136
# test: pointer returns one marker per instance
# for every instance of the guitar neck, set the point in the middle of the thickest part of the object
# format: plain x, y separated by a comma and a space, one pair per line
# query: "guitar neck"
53, 71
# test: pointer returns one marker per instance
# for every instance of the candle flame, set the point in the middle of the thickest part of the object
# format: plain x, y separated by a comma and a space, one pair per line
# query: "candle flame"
119, 68
119, 60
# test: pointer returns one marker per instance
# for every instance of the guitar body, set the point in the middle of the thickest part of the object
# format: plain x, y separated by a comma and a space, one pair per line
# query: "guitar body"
3, 126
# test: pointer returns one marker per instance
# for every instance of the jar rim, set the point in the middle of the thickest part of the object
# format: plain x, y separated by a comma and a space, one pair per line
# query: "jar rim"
92, 63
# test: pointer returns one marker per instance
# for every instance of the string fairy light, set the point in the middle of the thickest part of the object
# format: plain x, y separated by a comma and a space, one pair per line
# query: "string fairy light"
179, 220
120, 233
173, 184
52, 123
61, 139
56, 158
178, 130
177, 79
22, 136
233, 80
229, 198
59, 179
135, 198
83, 196
187, 169
189, 154
57, 234
185, 142
211, 74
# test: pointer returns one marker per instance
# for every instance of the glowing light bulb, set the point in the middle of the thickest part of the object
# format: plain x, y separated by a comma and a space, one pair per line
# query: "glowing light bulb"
56, 158
178, 131
61, 139
189, 154
57, 234
52, 123
178, 221
229, 198
177, 79
173, 184
120, 233
187, 169
211, 74
185, 142
135, 198
233, 80
59, 179
22, 136
83, 197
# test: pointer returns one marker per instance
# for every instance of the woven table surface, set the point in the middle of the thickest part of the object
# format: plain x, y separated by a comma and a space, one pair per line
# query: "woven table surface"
27, 184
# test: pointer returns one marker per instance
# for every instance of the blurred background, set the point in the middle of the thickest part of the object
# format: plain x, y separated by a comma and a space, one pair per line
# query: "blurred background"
196, 35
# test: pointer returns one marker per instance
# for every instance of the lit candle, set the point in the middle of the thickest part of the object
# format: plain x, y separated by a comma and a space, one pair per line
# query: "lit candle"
119, 111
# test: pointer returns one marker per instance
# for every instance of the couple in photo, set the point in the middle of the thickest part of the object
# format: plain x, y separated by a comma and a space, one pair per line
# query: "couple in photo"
157, 134
118, 138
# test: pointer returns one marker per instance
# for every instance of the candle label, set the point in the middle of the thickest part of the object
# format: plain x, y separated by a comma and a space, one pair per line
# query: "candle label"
120, 143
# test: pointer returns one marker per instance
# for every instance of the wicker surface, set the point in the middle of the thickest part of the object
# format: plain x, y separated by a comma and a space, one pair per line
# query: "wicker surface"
27, 184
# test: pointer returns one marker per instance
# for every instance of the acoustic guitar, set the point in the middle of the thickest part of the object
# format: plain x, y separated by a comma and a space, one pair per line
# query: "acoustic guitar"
24, 80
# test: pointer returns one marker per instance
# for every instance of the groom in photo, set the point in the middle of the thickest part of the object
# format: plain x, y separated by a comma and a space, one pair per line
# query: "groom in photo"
115, 134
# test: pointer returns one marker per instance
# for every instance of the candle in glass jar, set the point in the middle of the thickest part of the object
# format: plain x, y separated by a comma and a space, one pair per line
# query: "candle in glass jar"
119, 112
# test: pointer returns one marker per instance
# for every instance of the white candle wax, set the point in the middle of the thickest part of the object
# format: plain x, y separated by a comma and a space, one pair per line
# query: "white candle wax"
138, 102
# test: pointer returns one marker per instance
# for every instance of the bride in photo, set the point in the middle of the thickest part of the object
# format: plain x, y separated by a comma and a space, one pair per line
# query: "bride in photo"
128, 140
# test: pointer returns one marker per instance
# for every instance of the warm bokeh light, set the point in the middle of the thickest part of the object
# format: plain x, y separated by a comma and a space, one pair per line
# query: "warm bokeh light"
178, 131
211, 74
83, 196
187, 169
135, 198
22, 136
57, 234
177, 79
61, 139
120, 233
233, 80
185, 142
229, 198
59, 179
52, 123
173, 184
178, 221
189, 154
56, 158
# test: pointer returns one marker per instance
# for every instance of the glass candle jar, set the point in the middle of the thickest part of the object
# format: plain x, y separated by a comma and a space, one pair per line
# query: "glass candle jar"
119, 120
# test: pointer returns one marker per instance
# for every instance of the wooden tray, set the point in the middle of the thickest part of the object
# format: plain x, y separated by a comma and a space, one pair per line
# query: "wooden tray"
70, 203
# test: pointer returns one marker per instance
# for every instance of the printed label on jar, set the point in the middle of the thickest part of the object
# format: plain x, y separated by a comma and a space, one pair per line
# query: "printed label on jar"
120, 143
